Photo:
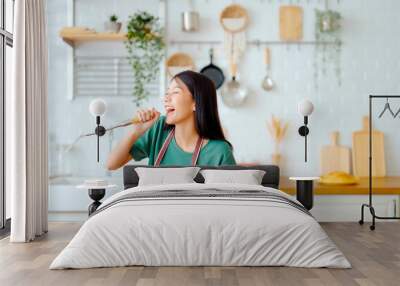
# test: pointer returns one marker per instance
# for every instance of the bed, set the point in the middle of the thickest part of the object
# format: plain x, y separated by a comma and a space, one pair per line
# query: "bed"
198, 224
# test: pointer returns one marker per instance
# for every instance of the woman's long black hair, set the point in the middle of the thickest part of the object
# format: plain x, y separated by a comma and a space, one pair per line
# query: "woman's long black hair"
204, 94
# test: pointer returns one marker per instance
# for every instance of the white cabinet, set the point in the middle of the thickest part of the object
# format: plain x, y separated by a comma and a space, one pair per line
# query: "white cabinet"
348, 207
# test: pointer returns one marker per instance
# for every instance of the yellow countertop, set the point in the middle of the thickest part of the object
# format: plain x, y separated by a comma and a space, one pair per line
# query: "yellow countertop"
381, 186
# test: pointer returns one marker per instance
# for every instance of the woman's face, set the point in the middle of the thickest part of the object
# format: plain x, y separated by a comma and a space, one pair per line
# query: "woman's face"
178, 102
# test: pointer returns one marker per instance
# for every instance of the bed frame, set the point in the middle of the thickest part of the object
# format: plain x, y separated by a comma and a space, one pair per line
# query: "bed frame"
270, 179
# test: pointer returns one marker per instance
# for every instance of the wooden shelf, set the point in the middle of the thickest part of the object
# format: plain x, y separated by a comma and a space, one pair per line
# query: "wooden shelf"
74, 35
381, 186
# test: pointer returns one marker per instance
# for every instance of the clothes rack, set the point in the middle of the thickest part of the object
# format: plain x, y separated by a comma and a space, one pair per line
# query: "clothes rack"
370, 205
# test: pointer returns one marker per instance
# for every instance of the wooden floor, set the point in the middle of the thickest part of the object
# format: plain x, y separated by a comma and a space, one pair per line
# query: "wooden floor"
375, 257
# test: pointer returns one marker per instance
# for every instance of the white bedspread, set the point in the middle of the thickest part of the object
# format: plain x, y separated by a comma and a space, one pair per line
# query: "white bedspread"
200, 231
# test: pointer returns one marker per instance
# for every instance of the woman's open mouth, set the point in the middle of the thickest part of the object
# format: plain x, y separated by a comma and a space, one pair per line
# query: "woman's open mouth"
169, 110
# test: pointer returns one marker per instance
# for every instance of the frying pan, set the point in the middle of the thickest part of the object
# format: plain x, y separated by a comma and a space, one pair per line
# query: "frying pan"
213, 72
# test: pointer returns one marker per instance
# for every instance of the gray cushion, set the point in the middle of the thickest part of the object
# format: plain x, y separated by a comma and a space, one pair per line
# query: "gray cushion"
270, 179
248, 177
161, 176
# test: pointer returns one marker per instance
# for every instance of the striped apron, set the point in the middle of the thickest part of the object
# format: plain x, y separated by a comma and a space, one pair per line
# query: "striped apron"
165, 145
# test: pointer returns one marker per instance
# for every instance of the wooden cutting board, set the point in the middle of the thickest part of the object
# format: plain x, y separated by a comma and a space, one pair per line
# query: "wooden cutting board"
291, 23
361, 152
335, 157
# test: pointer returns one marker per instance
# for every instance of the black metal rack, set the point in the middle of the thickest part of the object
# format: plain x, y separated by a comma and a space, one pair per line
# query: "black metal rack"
369, 205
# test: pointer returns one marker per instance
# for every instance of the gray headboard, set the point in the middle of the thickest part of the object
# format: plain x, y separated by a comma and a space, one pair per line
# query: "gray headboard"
270, 179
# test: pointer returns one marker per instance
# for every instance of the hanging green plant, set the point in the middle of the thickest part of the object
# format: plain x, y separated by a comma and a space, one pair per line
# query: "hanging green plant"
327, 21
145, 46
327, 29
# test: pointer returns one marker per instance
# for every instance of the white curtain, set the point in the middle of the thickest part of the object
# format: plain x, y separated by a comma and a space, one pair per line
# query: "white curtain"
27, 123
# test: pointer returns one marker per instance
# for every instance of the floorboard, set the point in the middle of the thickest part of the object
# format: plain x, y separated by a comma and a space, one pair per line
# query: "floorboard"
374, 255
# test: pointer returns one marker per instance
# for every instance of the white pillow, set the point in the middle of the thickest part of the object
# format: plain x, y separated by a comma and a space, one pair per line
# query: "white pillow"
248, 177
163, 176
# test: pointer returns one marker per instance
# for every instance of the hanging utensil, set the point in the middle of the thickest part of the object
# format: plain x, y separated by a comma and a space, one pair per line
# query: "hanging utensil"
179, 62
234, 19
291, 23
233, 94
190, 19
213, 72
267, 83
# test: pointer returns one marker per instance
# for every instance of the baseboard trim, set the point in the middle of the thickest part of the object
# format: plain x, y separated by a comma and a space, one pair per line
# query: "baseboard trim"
67, 216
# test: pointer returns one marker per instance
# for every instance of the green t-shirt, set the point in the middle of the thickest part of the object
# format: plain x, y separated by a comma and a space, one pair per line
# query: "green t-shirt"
213, 153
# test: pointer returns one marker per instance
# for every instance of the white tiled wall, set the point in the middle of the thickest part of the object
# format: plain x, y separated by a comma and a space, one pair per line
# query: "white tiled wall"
370, 64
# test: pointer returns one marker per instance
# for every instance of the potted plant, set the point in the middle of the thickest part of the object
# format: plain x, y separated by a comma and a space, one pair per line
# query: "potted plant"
327, 21
327, 29
145, 46
113, 26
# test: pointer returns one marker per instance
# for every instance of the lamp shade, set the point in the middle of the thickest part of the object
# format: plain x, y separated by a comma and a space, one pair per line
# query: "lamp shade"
97, 107
305, 107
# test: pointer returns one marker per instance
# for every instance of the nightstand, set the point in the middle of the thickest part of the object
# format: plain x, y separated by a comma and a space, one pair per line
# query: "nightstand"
96, 190
305, 190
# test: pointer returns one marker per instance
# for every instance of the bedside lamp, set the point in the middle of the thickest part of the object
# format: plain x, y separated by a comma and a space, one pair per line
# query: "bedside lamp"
305, 108
97, 108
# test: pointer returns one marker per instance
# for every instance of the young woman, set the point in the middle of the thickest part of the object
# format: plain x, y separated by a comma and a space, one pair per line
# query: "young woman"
189, 134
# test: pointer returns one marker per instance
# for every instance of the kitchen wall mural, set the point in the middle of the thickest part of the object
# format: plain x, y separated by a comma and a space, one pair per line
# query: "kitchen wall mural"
266, 56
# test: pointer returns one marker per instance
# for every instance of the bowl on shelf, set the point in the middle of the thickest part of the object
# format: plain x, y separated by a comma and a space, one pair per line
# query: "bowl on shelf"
338, 178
